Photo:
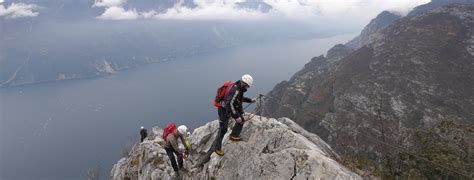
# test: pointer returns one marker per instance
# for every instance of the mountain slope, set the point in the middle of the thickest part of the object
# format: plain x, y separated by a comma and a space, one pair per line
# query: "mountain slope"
271, 149
382, 20
415, 73
436, 4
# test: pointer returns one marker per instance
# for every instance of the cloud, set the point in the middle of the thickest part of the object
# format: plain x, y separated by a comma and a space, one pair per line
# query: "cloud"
149, 14
115, 11
211, 10
18, 10
204, 10
360, 11
118, 13
108, 3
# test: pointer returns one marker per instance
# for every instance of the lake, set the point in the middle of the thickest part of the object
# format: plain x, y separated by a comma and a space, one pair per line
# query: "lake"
60, 130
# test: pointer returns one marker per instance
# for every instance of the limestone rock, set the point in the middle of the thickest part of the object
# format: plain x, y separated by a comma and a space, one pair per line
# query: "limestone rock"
270, 149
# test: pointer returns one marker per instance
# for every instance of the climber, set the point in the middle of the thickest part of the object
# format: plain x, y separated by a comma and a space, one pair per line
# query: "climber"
171, 134
143, 134
232, 108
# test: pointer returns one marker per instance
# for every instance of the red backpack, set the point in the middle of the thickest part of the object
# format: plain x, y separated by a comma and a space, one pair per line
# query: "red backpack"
169, 128
221, 91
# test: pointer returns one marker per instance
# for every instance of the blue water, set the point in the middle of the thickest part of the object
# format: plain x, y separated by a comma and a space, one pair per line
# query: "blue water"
60, 130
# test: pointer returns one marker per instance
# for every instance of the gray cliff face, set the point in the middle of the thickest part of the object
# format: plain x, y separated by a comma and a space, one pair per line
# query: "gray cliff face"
270, 149
412, 74
436, 4
386, 18
338, 51
381, 21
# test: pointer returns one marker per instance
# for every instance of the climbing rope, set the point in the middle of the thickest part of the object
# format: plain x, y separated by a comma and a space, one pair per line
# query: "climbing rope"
258, 109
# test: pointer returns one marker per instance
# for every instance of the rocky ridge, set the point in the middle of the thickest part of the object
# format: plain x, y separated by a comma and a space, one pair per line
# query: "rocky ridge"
271, 149
381, 21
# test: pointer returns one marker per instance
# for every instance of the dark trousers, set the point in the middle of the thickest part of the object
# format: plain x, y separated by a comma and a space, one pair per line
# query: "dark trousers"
237, 129
171, 152
223, 123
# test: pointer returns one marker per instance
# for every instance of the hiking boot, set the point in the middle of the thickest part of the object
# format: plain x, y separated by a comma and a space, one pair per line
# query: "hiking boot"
219, 152
234, 138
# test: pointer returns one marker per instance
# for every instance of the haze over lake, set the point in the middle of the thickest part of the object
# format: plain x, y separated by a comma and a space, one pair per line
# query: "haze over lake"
60, 130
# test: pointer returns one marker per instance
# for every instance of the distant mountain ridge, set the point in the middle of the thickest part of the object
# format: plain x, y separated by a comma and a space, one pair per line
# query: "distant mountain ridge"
436, 4
382, 20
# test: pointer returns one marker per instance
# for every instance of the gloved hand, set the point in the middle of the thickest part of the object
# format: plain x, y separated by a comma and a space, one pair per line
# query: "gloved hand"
254, 100
184, 156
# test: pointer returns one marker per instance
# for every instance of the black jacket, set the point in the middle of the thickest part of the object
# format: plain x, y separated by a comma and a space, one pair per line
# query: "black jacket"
143, 133
233, 100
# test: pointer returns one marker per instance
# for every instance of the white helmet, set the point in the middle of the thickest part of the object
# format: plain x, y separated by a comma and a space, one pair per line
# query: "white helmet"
183, 130
142, 127
247, 79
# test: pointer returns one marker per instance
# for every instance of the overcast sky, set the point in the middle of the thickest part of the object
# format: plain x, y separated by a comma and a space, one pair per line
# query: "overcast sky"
356, 11
360, 10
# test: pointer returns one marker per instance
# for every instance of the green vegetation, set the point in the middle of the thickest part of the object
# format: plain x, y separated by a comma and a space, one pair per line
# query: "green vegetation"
444, 151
